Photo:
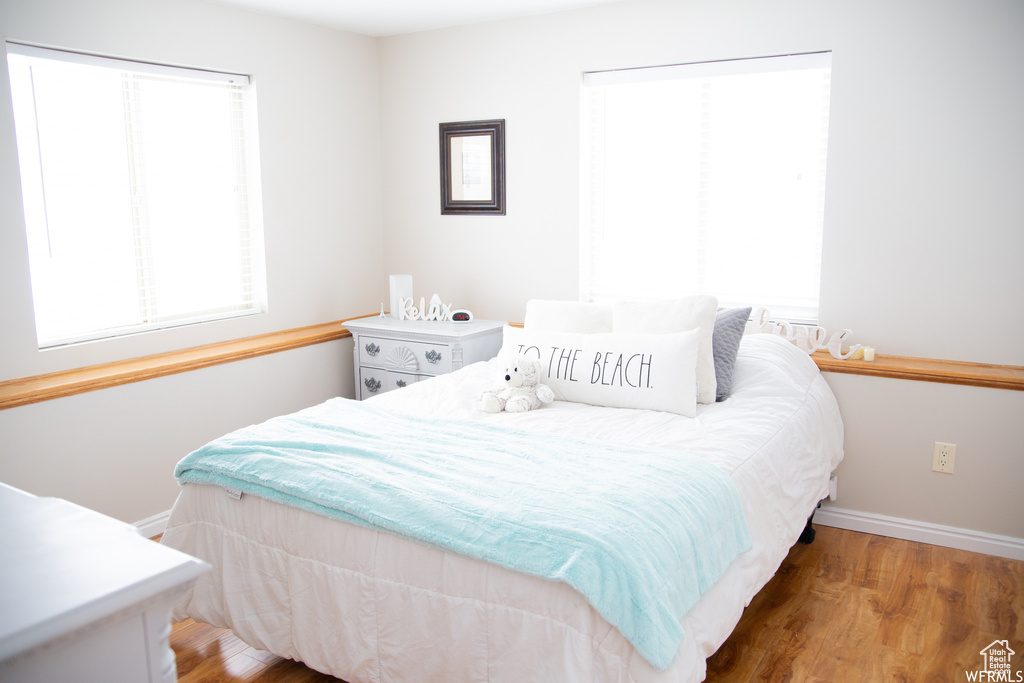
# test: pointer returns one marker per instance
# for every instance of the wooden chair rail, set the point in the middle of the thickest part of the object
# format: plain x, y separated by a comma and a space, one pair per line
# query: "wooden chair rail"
19, 392
928, 370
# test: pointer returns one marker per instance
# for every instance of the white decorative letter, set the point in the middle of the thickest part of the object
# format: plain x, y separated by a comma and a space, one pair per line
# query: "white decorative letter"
804, 339
408, 311
783, 329
758, 320
835, 345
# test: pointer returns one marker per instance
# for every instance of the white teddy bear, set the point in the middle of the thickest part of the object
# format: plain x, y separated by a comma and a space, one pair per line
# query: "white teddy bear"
523, 390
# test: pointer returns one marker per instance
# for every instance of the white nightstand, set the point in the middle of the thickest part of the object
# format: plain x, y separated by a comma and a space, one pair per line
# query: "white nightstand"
390, 353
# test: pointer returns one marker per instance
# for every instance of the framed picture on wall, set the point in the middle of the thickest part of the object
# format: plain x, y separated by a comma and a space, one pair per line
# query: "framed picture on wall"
473, 167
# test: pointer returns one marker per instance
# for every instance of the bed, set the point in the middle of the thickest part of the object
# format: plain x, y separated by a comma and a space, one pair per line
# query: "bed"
366, 604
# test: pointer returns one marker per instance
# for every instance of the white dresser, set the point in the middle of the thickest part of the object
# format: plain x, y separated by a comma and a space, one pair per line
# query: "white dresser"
84, 597
391, 353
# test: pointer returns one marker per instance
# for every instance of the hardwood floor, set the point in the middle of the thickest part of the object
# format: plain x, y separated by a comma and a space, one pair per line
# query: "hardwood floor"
848, 607
858, 607
212, 655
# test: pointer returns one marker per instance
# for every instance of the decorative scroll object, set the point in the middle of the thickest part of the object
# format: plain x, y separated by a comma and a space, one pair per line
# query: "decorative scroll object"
807, 338
401, 358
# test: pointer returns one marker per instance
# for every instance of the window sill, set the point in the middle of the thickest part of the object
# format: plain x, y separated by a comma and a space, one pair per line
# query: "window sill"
928, 370
19, 392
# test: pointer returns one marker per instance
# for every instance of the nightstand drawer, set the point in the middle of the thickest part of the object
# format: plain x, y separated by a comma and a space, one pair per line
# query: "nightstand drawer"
373, 381
405, 356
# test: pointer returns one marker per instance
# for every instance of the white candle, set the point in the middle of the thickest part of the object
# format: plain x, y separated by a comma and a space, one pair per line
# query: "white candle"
869, 354
401, 287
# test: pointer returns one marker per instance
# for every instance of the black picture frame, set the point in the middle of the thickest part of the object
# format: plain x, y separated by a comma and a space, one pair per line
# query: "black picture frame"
483, 189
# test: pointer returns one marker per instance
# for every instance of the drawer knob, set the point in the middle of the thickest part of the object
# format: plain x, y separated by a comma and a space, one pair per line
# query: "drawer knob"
372, 384
432, 356
400, 383
372, 349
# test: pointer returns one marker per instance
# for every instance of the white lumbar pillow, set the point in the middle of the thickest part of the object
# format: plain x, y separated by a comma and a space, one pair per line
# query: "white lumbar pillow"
696, 313
642, 371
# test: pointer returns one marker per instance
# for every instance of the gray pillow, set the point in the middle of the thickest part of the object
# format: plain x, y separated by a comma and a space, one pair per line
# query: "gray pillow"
725, 344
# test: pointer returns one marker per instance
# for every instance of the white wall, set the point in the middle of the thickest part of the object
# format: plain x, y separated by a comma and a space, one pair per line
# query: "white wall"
891, 426
924, 216
114, 450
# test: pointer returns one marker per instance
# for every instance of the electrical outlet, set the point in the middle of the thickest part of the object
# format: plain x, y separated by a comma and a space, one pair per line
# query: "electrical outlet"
943, 456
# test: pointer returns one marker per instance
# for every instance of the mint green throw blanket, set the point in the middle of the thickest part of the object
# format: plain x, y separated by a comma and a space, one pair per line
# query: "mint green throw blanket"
641, 533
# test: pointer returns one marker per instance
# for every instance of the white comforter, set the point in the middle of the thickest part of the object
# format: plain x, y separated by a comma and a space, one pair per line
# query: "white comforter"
368, 606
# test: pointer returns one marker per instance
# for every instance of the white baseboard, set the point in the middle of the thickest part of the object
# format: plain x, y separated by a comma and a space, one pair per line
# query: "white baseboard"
155, 525
910, 530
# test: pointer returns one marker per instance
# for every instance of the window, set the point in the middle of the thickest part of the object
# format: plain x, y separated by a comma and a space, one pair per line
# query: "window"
141, 193
706, 178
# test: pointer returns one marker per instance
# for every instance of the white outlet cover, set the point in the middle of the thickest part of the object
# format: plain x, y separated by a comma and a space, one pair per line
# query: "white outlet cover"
943, 457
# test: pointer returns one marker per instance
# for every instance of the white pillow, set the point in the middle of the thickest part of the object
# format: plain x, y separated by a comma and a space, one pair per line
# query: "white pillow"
676, 315
567, 316
644, 371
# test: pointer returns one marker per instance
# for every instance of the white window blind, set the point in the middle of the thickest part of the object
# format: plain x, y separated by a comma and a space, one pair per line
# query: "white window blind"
706, 178
141, 186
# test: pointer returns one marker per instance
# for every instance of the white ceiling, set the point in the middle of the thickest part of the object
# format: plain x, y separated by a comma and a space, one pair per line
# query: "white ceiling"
390, 17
